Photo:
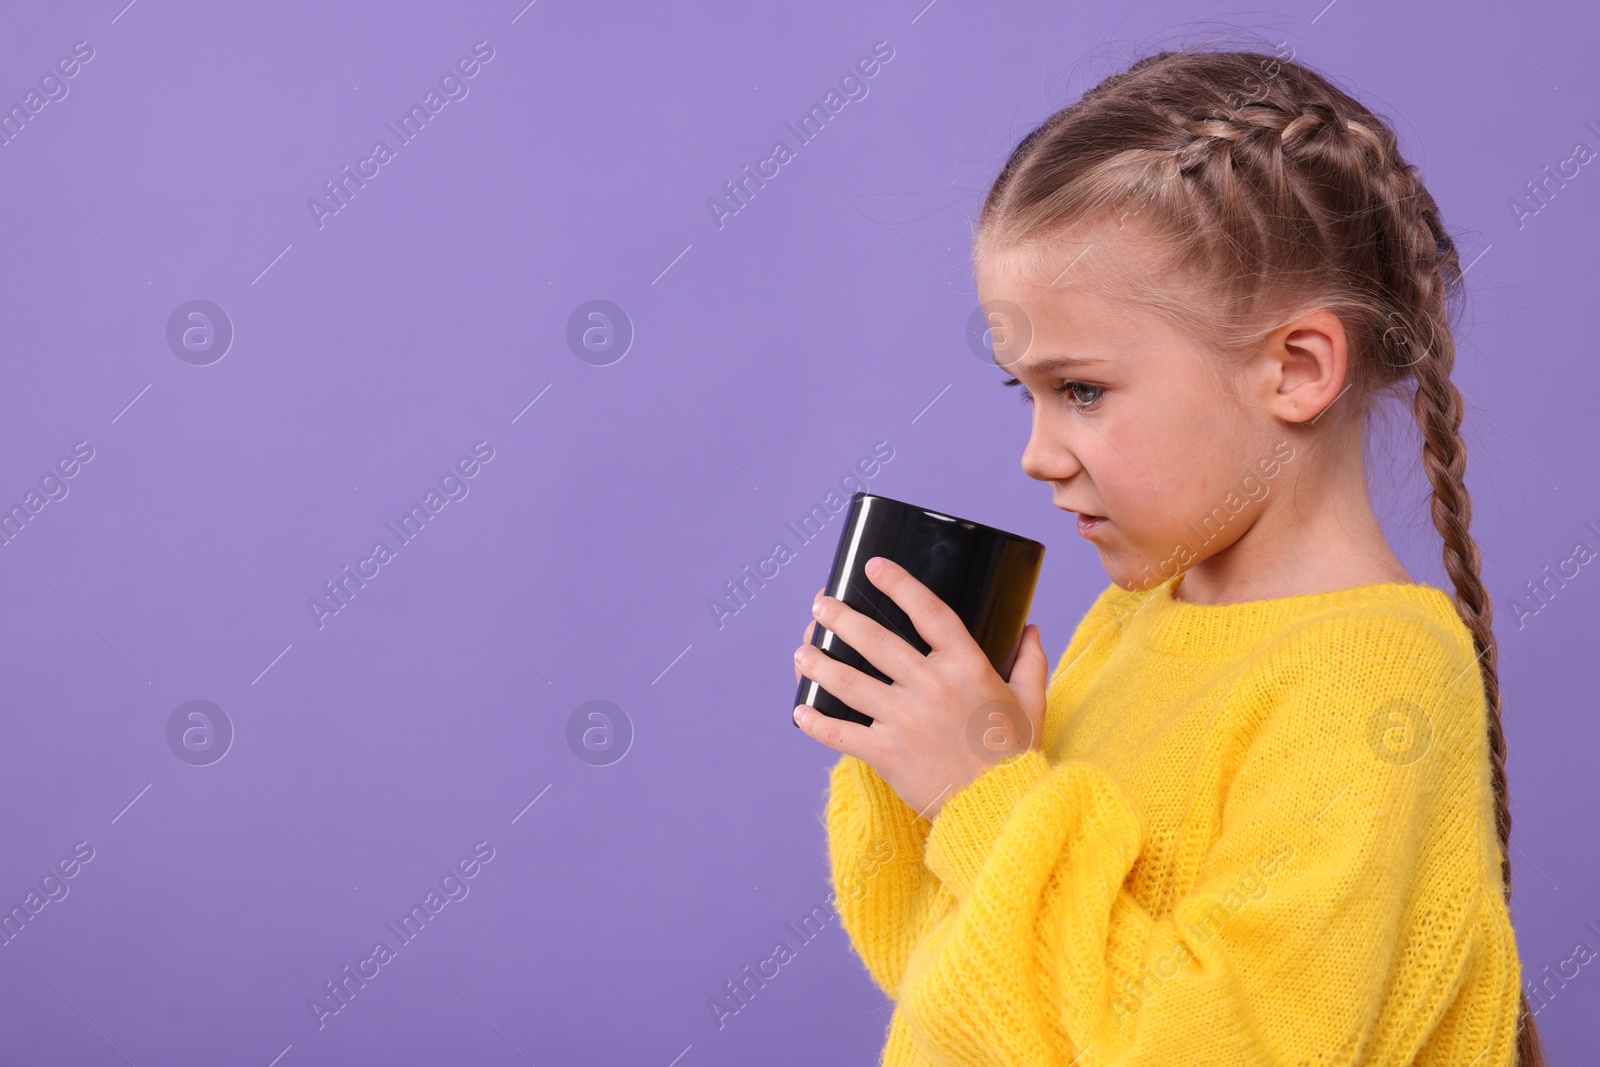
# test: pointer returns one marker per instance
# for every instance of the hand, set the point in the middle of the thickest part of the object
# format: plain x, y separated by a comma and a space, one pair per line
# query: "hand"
947, 717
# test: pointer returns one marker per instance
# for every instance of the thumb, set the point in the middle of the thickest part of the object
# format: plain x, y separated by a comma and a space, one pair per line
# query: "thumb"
1030, 676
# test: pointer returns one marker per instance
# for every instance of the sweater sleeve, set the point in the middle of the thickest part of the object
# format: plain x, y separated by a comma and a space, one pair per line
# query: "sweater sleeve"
1329, 921
884, 892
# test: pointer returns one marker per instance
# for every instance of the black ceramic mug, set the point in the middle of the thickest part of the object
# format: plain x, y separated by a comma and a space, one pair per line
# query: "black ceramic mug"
987, 576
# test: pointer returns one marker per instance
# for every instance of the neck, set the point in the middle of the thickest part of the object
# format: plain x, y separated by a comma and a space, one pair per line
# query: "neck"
1313, 534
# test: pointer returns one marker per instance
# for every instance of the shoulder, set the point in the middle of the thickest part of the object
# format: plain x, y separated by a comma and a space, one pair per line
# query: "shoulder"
1388, 631
1398, 658
1383, 695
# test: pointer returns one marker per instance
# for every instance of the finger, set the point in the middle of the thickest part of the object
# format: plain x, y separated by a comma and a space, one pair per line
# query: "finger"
883, 648
841, 735
861, 691
935, 620
1030, 678
805, 638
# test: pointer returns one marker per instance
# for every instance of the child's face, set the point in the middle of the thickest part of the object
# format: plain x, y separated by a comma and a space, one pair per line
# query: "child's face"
1148, 437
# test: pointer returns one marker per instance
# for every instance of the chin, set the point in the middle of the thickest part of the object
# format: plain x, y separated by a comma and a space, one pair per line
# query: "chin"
1137, 577
1120, 573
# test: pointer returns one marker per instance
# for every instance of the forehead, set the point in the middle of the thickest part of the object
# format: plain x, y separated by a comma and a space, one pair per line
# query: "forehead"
1040, 328
1101, 303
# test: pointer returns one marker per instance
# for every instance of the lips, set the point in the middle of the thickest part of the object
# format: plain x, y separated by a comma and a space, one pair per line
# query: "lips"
1088, 524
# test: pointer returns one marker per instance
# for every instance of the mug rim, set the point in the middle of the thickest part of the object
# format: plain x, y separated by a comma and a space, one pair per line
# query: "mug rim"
946, 515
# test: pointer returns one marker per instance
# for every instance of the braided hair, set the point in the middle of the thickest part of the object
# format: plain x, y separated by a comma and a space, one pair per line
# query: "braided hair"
1277, 192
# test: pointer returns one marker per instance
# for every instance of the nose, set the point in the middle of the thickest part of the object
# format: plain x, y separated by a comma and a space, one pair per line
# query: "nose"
1047, 458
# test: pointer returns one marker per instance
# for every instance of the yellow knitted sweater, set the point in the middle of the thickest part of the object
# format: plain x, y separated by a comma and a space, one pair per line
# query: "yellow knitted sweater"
1256, 833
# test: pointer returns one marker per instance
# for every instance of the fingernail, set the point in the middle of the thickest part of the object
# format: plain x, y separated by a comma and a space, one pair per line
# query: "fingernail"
800, 652
800, 714
874, 565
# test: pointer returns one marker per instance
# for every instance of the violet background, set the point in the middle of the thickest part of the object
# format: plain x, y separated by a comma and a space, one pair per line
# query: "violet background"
830, 313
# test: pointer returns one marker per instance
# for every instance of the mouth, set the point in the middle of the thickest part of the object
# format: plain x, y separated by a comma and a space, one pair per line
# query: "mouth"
1089, 524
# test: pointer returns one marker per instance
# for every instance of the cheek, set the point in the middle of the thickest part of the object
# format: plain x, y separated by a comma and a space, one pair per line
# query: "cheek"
1155, 481
1137, 462
1179, 449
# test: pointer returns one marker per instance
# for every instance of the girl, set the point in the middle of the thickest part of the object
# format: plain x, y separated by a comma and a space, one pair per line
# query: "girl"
1257, 812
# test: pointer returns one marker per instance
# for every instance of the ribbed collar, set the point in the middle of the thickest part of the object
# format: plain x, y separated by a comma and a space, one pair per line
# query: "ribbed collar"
1180, 626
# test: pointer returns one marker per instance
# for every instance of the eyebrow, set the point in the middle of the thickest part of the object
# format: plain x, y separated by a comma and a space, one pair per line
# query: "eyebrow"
1059, 362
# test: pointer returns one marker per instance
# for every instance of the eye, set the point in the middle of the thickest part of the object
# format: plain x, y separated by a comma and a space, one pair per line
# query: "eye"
1062, 390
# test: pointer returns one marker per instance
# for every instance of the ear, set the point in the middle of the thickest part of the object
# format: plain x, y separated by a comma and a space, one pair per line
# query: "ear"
1304, 363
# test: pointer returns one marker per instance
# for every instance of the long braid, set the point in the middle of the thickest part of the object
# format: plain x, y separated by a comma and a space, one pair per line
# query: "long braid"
1438, 408
1424, 274
1303, 185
